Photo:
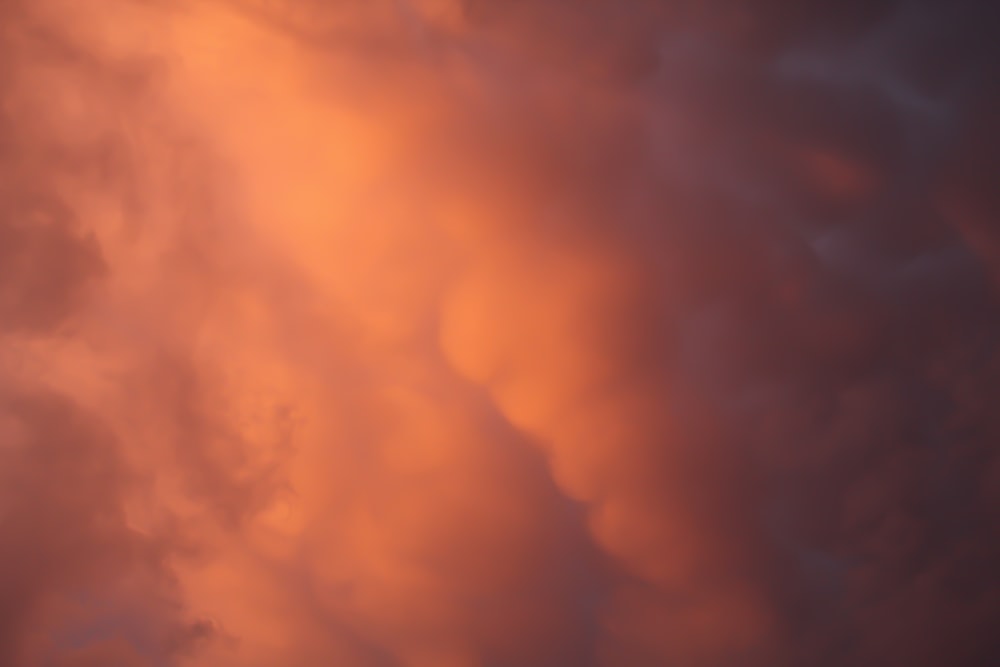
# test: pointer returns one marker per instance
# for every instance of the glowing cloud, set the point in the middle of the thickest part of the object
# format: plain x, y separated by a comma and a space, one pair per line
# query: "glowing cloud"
466, 334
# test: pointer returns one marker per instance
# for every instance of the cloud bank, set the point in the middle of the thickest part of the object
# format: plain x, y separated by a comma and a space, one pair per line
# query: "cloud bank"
467, 333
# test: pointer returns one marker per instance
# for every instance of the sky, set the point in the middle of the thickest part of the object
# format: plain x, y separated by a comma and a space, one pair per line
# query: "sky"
499, 333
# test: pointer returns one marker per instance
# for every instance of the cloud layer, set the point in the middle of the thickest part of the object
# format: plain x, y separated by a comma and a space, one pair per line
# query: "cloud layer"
467, 333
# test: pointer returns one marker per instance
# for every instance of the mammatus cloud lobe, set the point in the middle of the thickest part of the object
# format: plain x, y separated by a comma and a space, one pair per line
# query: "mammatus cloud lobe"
450, 333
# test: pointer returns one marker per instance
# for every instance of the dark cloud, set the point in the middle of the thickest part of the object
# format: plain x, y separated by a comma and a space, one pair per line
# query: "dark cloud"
69, 556
45, 267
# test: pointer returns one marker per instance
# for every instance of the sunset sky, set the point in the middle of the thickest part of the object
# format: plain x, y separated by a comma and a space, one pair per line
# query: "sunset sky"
499, 333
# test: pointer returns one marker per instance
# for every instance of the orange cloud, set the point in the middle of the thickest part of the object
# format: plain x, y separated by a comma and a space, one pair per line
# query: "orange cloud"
463, 334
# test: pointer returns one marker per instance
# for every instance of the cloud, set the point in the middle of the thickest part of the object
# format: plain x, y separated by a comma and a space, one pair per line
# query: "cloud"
476, 333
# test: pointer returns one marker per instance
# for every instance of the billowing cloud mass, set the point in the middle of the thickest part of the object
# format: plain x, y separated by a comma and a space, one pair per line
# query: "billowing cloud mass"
497, 333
